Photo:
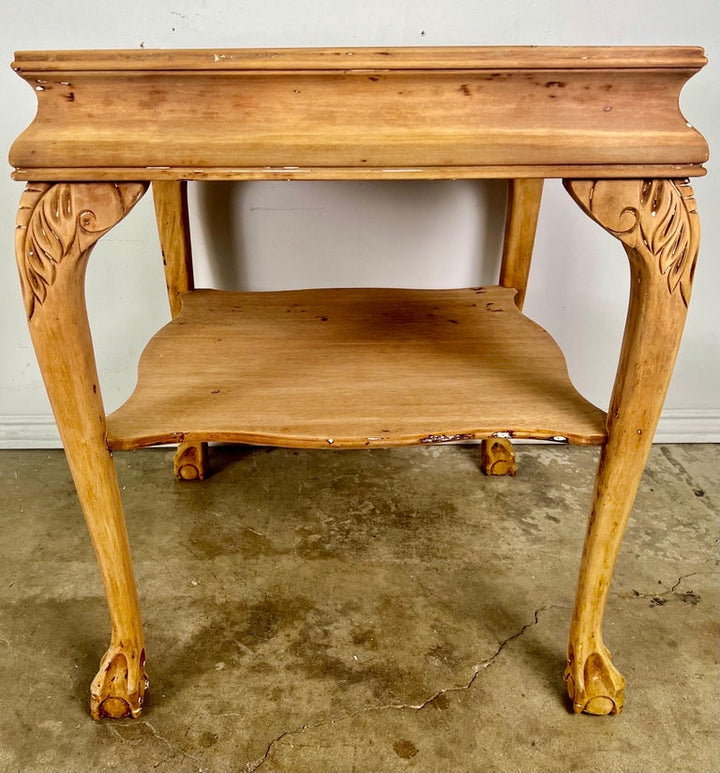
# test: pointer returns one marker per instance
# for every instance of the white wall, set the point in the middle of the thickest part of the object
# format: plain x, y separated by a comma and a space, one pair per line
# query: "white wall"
401, 233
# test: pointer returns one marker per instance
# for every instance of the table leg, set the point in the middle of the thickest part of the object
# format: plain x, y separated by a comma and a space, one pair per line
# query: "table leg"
658, 225
523, 207
171, 214
57, 226
190, 461
498, 457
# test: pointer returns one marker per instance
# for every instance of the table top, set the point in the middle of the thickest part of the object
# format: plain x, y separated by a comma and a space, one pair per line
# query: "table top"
359, 113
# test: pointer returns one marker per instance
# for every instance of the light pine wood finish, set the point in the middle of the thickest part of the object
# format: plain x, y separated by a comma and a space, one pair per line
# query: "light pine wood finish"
523, 208
171, 214
368, 58
498, 457
356, 368
352, 369
381, 113
170, 199
657, 223
191, 461
416, 172
173, 223
57, 226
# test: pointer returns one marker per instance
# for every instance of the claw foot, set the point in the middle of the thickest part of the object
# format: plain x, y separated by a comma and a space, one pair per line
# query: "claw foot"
594, 685
118, 689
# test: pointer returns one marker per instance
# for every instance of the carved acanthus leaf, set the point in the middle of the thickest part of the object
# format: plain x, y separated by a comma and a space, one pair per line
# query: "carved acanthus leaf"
61, 221
666, 229
51, 232
656, 218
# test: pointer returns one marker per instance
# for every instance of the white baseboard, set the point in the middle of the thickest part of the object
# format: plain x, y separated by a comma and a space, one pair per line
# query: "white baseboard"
28, 431
680, 426
688, 426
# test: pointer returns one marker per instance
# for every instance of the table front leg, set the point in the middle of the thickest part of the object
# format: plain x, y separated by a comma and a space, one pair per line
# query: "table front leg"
57, 226
657, 223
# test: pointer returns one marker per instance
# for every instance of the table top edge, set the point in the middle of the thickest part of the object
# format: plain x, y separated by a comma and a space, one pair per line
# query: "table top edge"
389, 58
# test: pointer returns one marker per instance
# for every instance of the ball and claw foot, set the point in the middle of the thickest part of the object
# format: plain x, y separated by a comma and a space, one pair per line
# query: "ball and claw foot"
594, 685
118, 689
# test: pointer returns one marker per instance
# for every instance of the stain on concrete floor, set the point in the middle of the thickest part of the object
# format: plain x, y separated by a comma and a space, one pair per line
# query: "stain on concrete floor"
385, 610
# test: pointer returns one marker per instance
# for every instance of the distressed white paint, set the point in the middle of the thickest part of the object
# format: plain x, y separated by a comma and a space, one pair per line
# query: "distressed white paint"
272, 235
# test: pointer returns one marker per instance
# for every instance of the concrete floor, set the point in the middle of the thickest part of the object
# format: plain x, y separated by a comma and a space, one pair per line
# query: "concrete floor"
360, 611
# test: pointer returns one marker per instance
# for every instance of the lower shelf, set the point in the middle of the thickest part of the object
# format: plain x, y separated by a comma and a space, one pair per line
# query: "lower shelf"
352, 368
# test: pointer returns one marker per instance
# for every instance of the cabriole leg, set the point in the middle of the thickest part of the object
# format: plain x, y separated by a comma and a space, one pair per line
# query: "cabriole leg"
657, 223
173, 224
57, 226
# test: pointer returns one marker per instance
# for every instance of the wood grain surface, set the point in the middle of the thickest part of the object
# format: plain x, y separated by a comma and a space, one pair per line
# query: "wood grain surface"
351, 369
354, 113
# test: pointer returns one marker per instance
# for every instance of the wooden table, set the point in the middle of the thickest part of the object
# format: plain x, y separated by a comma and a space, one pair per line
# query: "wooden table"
356, 368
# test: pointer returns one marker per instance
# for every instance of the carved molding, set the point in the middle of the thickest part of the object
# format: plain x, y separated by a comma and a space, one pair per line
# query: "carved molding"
656, 219
60, 222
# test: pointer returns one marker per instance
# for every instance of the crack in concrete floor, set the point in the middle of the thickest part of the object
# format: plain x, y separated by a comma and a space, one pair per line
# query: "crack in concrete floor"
687, 596
252, 766
170, 742
114, 729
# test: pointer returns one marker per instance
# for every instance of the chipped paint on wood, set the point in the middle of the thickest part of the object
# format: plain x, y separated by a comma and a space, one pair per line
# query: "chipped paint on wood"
446, 438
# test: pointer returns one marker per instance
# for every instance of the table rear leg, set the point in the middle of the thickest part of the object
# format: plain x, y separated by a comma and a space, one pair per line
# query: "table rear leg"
660, 230
523, 207
498, 457
57, 226
171, 213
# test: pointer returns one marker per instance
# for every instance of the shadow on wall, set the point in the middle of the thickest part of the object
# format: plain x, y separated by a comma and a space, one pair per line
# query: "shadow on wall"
281, 235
